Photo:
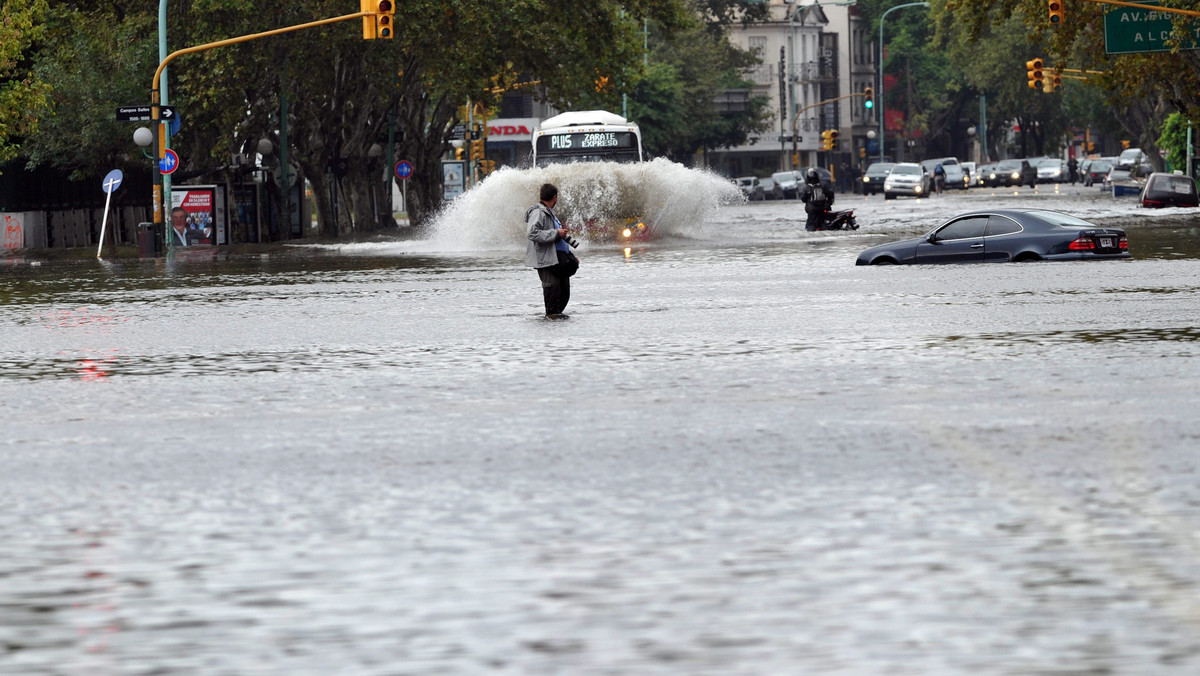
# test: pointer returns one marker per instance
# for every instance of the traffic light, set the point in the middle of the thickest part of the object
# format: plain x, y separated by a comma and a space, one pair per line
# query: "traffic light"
833, 136
1034, 72
379, 23
487, 166
476, 149
1125, 144
827, 139
1057, 15
1056, 82
869, 98
459, 152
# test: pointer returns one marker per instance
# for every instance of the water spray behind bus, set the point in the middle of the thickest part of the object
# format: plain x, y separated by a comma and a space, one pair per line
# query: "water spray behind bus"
608, 191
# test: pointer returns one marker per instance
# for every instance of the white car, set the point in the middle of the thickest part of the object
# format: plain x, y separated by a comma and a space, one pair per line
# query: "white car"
907, 178
1052, 170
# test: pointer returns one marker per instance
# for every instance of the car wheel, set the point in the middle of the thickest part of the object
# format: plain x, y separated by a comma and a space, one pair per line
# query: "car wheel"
886, 196
884, 260
1027, 257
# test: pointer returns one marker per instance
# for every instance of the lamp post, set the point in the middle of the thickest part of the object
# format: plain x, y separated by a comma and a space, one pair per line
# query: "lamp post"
882, 104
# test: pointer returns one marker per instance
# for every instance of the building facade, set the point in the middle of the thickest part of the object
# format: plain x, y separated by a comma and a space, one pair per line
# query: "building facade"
816, 60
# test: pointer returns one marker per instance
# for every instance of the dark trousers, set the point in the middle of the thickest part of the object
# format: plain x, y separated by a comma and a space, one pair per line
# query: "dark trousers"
556, 289
815, 221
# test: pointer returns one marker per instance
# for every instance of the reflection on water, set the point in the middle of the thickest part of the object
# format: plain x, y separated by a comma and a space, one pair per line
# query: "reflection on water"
739, 456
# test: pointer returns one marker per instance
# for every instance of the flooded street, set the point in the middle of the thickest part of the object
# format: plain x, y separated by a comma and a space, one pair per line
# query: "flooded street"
740, 455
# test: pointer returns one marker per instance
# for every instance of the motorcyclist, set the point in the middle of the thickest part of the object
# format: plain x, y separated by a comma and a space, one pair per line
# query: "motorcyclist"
817, 200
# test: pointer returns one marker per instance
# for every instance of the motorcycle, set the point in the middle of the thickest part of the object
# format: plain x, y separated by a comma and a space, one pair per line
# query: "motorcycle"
839, 220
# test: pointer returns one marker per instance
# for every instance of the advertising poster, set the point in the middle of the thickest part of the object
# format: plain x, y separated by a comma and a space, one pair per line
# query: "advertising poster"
453, 179
202, 220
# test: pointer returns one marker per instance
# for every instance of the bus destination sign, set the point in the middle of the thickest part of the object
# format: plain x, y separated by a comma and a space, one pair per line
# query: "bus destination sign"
581, 141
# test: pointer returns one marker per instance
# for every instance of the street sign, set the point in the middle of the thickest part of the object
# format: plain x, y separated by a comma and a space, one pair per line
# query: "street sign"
133, 114
112, 181
404, 169
170, 163
1130, 30
145, 113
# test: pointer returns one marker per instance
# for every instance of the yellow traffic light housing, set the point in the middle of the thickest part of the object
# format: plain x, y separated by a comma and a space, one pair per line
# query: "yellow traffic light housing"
1056, 82
1034, 73
476, 149
459, 152
869, 98
826, 140
833, 139
1057, 13
380, 23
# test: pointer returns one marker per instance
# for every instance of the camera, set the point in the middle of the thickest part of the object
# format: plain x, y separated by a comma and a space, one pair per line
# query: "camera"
571, 240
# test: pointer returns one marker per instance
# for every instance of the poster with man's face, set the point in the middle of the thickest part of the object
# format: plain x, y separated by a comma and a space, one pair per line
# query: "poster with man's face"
199, 205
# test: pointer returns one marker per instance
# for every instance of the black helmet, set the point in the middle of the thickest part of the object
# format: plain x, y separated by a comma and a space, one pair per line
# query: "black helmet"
812, 176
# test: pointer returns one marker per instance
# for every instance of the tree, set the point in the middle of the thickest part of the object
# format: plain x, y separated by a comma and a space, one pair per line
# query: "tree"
21, 93
87, 74
1174, 140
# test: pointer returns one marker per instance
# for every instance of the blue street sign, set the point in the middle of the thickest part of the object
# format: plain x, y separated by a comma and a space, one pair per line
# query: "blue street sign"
112, 181
404, 169
169, 163
173, 124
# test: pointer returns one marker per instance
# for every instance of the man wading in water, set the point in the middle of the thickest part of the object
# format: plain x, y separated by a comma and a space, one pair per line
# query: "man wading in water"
548, 253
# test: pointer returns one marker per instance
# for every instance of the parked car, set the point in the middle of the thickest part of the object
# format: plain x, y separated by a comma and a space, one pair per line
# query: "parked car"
1003, 235
985, 176
874, 177
1052, 170
1169, 190
1011, 173
751, 188
954, 173
1094, 171
789, 183
826, 177
907, 178
770, 190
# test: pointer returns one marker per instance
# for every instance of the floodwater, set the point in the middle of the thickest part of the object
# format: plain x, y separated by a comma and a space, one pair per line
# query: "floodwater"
740, 455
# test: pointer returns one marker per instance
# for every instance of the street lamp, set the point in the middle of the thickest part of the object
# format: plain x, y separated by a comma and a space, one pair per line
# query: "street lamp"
882, 105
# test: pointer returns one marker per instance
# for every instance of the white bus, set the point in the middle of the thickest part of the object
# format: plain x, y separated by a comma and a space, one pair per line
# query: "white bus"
586, 136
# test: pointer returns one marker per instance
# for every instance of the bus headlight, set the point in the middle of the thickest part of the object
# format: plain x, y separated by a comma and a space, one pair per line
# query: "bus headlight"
626, 232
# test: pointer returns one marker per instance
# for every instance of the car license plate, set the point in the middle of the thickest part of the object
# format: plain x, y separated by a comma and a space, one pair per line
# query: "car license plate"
1106, 242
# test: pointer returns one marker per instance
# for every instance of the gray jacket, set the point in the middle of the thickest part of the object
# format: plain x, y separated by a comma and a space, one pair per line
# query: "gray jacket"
539, 252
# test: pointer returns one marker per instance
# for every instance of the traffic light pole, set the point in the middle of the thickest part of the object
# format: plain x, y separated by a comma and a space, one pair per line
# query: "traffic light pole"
882, 103
162, 201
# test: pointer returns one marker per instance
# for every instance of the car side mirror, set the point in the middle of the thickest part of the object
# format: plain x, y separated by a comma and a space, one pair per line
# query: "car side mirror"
931, 238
